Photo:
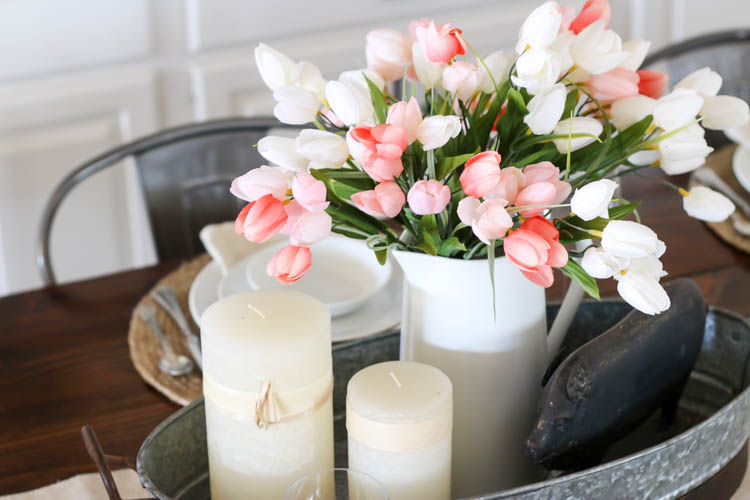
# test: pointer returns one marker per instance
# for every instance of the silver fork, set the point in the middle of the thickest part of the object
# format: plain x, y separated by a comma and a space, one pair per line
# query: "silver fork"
170, 363
166, 298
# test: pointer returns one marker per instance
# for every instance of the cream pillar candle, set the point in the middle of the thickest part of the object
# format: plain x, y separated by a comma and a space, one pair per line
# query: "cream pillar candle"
399, 417
267, 381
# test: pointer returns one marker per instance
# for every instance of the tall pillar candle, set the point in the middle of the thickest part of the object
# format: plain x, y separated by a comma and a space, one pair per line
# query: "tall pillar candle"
399, 418
267, 382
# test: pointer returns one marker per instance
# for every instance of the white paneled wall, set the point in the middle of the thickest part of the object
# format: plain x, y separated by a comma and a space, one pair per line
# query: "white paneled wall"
80, 76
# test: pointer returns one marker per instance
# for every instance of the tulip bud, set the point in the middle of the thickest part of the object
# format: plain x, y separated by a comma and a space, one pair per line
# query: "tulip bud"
624, 238
540, 28
703, 81
436, 131
408, 115
386, 200
428, 197
488, 219
428, 73
637, 50
356, 77
601, 265
499, 65
723, 111
615, 84
481, 174
259, 182
652, 83
561, 47
311, 79
545, 109
597, 50
462, 79
309, 192
388, 53
276, 69
706, 204
323, 149
630, 110
643, 293
295, 105
282, 151
289, 264
592, 10
677, 109
261, 219
537, 70
577, 125
440, 43
592, 200
310, 228
684, 152
351, 104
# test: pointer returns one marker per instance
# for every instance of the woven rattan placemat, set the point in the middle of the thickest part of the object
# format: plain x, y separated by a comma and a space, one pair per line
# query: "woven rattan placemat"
145, 350
721, 163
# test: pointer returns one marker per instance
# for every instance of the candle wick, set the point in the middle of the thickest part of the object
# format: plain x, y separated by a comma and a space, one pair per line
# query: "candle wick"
393, 376
251, 307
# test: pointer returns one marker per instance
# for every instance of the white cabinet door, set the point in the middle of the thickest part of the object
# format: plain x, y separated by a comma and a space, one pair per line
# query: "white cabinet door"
46, 130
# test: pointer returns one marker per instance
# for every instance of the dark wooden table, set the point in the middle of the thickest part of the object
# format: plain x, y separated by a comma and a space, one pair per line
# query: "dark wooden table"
64, 355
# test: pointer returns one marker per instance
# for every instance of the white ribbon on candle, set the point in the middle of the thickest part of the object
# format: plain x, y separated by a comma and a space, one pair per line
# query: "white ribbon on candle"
399, 436
266, 406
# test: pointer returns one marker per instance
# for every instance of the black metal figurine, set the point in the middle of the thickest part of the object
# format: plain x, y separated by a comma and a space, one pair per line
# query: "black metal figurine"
611, 384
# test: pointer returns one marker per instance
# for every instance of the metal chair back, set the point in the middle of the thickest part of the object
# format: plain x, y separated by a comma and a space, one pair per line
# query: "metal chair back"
185, 173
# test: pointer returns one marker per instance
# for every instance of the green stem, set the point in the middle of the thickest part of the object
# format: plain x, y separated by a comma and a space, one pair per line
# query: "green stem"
481, 60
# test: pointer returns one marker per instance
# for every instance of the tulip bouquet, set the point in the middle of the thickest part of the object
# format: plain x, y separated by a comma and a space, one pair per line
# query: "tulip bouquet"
485, 162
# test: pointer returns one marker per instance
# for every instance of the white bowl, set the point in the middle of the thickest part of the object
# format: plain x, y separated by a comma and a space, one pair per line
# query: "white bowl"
344, 273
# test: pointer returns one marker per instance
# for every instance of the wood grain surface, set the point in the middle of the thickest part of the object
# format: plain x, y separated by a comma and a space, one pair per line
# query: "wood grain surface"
64, 353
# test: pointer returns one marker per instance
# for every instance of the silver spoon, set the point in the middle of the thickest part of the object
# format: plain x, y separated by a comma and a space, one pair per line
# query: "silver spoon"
170, 363
166, 298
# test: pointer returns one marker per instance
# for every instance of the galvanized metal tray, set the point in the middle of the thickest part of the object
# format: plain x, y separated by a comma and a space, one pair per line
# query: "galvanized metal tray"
710, 430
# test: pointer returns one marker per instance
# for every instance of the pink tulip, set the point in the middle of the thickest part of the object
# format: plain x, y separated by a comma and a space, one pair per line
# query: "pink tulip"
289, 264
293, 212
568, 13
462, 79
310, 228
388, 53
652, 83
261, 219
309, 192
481, 174
539, 193
491, 220
440, 43
428, 197
512, 180
386, 200
259, 182
407, 115
383, 146
613, 85
535, 249
592, 10
546, 172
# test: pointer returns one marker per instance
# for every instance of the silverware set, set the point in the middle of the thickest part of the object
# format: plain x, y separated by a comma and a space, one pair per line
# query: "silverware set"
171, 363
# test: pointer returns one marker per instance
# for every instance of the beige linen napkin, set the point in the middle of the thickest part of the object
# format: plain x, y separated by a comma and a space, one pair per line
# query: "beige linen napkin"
84, 487
225, 246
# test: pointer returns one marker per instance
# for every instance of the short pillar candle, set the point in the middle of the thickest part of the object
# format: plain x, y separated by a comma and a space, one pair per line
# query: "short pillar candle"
267, 382
399, 418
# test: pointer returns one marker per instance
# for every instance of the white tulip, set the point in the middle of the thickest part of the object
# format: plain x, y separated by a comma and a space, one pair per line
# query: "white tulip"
597, 50
630, 110
311, 79
357, 77
637, 49
577, 125
276, 69
537, 70
677, 109
643, 293
436, 131
545, 109
295, 105
561, 47
323, 149
624, 238
706, 204
540, 28
282, 151
259, 182
601, 265
684, 152
429, 74
724, 111
593, 199
644, 157
349, 102
704, 81
499, 64
462, 79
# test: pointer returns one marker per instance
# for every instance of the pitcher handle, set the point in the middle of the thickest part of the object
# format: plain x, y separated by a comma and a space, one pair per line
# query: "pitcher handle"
567, 311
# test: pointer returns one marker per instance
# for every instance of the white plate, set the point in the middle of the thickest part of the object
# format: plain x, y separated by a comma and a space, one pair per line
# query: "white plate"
741, 167
379, 314
344, 274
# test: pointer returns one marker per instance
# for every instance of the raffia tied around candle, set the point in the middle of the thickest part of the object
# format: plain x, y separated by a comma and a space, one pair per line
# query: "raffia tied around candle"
267, 407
